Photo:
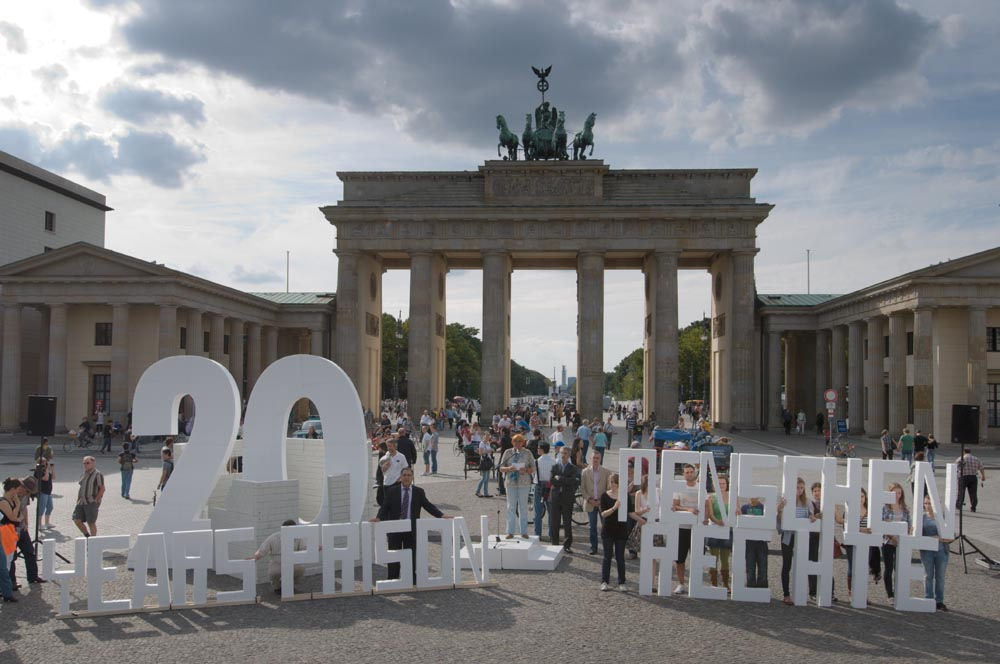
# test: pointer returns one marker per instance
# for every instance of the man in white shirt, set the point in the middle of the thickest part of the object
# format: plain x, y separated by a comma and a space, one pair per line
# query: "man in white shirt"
557, 436
543, 476
272, 547
685, 500
392, 464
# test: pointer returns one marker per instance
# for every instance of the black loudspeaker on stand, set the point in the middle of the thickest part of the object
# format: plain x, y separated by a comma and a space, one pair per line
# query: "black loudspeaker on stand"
41, 415
965, 424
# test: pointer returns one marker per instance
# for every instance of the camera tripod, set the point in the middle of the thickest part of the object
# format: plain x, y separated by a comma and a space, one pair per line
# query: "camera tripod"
962, 540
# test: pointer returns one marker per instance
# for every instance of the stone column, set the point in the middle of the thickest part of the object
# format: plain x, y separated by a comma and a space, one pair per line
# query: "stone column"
57, 361
316, 342
590, 338
665, 366
195, 335
348, 326
43, 347
253, 356
216, 338
897, 372
855, 378
168, 331
236, 353
742, 329
838, 369
773, 400
270, 345
977, 384
822, 370
120, 387
496, 332
10, 381
425, 358
874, 377
923, 370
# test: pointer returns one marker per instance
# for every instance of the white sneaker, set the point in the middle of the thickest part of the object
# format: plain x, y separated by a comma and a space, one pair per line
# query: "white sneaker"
680, 589
622, 588
604, 587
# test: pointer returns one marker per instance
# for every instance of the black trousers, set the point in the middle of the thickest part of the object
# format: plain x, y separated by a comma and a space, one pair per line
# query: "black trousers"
613, 547
888, 567
28, 553
402, 541
970, 483
562, 515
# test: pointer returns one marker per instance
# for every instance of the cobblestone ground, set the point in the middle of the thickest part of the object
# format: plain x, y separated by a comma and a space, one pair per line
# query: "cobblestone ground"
530, 616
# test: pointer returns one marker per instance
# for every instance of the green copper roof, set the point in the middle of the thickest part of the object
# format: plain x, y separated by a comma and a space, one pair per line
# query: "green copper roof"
297, 298
793, 300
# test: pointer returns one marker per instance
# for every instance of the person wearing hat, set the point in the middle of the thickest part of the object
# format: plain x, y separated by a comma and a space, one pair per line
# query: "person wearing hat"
28, 488
518, 467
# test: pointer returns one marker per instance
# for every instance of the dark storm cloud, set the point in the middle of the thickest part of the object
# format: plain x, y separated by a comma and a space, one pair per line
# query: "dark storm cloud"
810, 56
439, 70
141, 105
153, 156
14, 36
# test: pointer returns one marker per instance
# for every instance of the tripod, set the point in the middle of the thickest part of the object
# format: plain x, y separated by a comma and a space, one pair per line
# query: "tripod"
962, 540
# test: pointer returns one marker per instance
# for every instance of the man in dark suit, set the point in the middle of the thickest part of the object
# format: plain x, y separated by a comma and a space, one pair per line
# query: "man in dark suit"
404, 501
406, 447
565, 477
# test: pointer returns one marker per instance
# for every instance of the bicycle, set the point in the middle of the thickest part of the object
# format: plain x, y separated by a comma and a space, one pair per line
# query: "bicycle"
841, 449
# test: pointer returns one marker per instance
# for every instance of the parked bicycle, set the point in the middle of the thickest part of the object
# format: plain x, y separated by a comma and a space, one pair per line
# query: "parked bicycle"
841, 449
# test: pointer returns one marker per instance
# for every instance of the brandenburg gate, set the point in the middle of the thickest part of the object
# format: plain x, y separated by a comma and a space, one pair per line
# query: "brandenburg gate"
563, 214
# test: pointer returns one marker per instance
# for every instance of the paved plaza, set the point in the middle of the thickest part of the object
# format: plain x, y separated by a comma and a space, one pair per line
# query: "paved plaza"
529, 616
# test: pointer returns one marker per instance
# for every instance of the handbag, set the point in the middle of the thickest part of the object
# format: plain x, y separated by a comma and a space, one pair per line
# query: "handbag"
8, 538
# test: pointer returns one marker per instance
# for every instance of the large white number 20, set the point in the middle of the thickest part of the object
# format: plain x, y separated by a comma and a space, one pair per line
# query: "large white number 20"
157, 400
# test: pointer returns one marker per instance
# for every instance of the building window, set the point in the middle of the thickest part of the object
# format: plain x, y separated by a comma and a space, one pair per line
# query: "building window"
864, 348
909, 403
993, 339
50, 221
101, 392
46, 249
867, 415
207, 338
102, 334
184, 338
886, 351
993, 405
909, 345
225, 345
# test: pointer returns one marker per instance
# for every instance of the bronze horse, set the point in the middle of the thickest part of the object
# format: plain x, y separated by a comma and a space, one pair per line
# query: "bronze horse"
584, 138
508, 139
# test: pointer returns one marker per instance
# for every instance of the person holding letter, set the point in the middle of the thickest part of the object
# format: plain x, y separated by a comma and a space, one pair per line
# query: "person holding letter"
404, 501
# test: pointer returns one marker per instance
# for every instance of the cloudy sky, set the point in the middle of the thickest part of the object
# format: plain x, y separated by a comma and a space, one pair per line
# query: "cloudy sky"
216, 128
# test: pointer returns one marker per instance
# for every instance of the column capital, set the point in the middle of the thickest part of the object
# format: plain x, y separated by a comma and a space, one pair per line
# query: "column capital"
746, 251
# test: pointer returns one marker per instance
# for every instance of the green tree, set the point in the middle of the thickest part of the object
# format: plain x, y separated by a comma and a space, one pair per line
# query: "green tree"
624, 382
463, 350
525, 382
394, 356
692, 361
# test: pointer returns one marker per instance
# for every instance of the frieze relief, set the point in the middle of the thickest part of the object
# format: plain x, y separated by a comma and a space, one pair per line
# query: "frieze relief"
543, 229
564, 186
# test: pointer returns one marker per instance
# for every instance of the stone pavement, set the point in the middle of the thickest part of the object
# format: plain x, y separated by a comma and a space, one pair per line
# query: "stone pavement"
521, 620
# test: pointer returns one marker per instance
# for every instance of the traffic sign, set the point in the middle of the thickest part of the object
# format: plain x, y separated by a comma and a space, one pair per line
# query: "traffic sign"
841, 426
830, 405
830, 394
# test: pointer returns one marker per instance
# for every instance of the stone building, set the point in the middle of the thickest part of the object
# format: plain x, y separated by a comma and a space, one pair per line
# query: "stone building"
82, 323
900, 353
41, 211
